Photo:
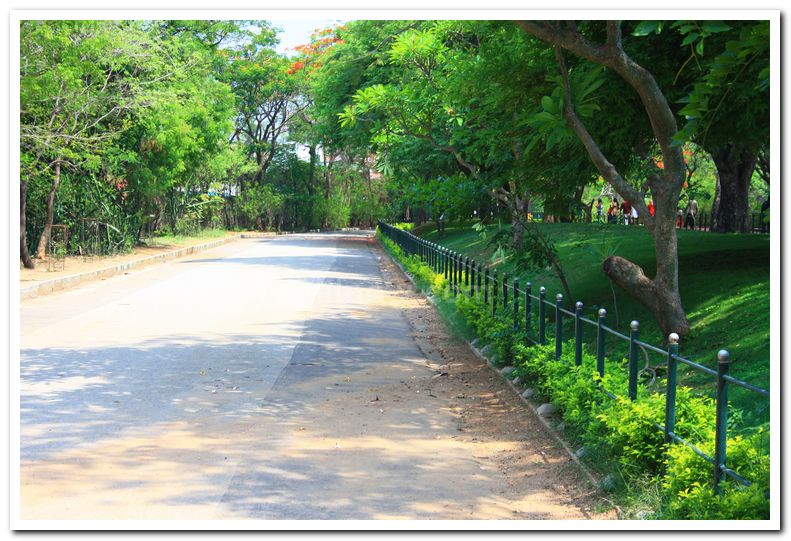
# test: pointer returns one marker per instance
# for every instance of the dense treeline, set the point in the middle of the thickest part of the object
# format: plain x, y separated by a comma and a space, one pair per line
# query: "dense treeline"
129, 127
134, 126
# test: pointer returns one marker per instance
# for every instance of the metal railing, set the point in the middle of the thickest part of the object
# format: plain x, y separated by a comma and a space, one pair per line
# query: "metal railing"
758, 222
463, 274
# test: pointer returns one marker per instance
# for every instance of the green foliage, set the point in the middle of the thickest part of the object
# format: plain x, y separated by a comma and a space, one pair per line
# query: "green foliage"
261, 204
687, 486
623, 430
332, 211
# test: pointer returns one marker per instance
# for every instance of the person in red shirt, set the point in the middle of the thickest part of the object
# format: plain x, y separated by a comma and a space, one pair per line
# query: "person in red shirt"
651, 207
626, 208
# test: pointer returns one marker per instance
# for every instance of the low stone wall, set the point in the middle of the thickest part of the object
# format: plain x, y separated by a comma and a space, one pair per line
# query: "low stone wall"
65, 282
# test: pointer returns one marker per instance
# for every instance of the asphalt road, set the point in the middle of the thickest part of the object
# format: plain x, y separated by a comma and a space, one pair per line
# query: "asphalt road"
241, 383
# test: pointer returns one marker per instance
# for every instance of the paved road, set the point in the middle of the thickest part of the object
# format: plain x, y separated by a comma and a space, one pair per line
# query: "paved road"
240, 383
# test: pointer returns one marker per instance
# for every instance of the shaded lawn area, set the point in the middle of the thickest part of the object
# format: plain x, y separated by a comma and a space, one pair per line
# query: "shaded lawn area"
724, 280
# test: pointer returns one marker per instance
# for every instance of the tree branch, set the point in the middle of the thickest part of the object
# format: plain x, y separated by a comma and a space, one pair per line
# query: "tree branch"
603, 165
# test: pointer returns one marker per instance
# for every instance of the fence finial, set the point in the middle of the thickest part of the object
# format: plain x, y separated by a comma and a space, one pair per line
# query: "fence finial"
673, 338
559, 297
723, 356
578, 305
602, 312
542, 289
635, 325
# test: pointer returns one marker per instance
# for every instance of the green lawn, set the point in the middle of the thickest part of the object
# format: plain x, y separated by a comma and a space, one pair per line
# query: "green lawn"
724, 282
201, 236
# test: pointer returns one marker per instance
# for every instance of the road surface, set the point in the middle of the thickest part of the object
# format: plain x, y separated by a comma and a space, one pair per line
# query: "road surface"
265, 379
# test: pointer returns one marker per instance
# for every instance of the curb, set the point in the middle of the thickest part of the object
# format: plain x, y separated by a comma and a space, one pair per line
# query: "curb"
531, 406
66, 282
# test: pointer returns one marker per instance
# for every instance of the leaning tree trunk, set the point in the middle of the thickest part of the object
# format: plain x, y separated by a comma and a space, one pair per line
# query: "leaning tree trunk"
659, 295
41, 251
735, 168
24, 253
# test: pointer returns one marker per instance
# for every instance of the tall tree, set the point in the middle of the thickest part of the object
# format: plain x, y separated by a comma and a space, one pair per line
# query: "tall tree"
78, 82
659, 294
727, 108
266, 96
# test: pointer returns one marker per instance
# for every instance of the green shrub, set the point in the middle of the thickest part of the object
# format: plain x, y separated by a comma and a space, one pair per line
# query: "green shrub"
622, 429
687, 484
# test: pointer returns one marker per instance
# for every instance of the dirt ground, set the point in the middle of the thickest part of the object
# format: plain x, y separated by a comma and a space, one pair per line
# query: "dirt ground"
507, 434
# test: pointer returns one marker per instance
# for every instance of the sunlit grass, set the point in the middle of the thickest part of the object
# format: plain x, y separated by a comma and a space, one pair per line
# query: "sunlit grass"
168, 240
724, 283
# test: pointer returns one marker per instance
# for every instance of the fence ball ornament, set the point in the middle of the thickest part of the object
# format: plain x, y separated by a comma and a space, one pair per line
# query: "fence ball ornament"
579, 305
602, 312
559, 297
635, 325
723, 356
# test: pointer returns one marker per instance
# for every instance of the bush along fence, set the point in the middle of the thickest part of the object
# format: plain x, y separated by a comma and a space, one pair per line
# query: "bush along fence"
653, 426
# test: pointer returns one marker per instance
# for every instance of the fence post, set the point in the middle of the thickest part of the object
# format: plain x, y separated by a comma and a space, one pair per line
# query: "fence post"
558, 326
486, 288
472, 278
634, 334
600, 341
516, 304
578, 334
452, 270
479, 279
528, 306
445, 262
455, 263
720, 438
494, 293
542, 324
505, 292
459, 272
670, 393
466, 271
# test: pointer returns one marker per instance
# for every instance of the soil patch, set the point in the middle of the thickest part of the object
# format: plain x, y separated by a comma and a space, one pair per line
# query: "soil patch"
506, 434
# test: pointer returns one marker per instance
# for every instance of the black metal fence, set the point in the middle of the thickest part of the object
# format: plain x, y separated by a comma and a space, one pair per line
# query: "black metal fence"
758, 222
465, 276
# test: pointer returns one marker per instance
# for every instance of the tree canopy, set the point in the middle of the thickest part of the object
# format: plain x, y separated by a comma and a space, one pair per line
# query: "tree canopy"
178, 125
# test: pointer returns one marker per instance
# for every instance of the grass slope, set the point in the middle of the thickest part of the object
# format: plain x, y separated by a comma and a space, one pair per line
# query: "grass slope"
724, 280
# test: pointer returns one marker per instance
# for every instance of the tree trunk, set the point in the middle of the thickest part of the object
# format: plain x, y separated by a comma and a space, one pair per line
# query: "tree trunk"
24, 253
41, 251
661, 295
518, 211
715, 205
735, 168
312, 170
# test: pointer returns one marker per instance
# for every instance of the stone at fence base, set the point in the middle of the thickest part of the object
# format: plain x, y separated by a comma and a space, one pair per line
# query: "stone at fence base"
507, 370
474, 343
561, 427
582, 452
494, 360
608, 483
528, 393
486, 351
517, 381
545, 410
